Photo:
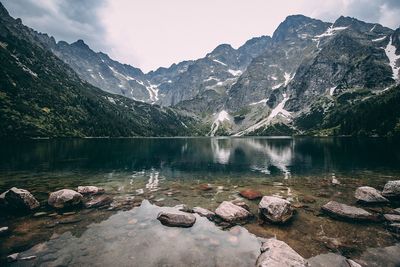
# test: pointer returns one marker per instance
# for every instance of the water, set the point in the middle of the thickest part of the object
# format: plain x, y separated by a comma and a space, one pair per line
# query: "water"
168, 172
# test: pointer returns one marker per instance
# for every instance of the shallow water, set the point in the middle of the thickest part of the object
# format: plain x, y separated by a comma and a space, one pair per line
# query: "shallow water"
168, 172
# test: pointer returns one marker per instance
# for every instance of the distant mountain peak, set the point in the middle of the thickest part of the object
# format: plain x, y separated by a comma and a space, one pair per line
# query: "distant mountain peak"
80, 43
3, 11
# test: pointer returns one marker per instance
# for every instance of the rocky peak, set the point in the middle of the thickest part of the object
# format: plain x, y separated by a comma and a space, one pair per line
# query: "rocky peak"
361, 26
3, 11
81, 44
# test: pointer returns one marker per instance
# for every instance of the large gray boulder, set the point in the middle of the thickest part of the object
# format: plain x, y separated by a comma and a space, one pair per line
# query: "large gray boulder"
392, 189
204, 212
16, 199
65, 198
231, 212
90, 190
394, 218
369, 194
275, 209
176, 218
276, 253
343, 211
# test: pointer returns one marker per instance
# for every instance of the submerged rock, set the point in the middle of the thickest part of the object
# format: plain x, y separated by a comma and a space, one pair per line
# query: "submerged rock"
275, 209
241, 203
99, 201
276, 253
204, 212
331, 260
369, 194
231, 212
250, 194
64, 198
176, 219
392, 218
17, 199
392, 189
205, 187
90, 190
12, 257
3, 230
343, 211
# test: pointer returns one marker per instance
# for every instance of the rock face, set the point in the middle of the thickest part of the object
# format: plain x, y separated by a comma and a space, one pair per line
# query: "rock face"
275, 209
90, 190
204, 212
99, 201
275, 253
231, 212
369, 194
250, 194
342, 211
17, 199
176, 219
331, 260
392, 189
65, 198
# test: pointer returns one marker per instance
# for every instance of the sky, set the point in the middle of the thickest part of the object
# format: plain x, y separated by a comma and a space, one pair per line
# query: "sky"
157, 33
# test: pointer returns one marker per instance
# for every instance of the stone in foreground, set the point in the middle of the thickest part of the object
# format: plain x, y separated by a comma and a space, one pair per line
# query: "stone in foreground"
276, 253
231, 212
250, 194
90, 190
369, 194
64, 198
331, 260
392, 189
275, 209
343, 211
176, 219
99, 201
394, 218
3, 230
17, 199
204, 212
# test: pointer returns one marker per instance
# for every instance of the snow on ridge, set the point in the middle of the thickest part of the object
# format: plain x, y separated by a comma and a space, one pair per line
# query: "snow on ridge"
222, 63
279, 109
221, 117
330, 31
332, 90
390, 51
288, 77
235, 72
277, 86
262, 101
379, 39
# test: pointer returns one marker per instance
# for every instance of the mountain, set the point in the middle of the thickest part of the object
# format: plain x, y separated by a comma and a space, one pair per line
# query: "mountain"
41, 96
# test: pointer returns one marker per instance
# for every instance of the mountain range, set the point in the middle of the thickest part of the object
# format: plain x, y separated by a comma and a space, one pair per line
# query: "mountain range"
310, 77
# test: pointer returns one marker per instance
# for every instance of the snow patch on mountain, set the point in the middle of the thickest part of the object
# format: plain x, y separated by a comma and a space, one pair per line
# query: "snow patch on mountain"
390, 51
219, 62
379, 39
330, 31
221, 117
262, 101
235, 72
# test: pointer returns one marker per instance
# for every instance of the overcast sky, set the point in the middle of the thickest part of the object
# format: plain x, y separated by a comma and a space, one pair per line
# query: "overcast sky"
153, 33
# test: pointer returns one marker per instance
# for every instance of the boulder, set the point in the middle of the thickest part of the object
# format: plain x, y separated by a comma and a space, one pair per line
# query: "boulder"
392, 189
251, 194
275, 209
231, 212
65, 198
205, 187
17, 199
331, 260
99, 201
90, 190
275, 253
343, 211
394, 218
241, 203
3, 230
176, 218
12, 257
369, 194
204, 212
396, 211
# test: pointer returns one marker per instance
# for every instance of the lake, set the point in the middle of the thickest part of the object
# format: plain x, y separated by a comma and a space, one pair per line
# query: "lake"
165, 172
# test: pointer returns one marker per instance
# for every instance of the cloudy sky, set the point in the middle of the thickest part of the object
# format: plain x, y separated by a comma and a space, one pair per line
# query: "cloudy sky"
153, 33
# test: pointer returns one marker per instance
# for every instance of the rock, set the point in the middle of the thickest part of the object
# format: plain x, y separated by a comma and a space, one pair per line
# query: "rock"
12, 257
205, 187
241, 203
275, 209
392, 189
307, 199
17, 199
369, 194
176, 219
392, 218
231, 212
331, 260
276, 253
29, 258
343, 211
184, 208
204, 212
250, 194
99, 201
40, 214
65, 198
3, 230
395, 227
396, 211
335, 181
90, 190
69, 220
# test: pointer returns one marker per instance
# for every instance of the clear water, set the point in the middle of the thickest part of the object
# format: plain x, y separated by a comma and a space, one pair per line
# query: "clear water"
167, 172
